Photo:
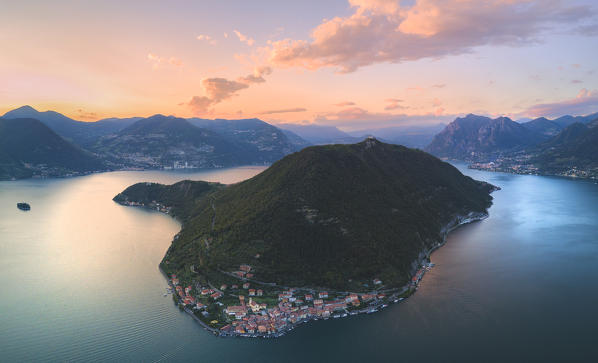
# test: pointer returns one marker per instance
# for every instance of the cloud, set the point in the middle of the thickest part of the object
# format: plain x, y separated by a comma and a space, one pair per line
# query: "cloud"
158, 61
345, 104
207, 38
200, 104
220, 89
257, 75
388, 7
285, 110
243, 38
576, 81
584, 103
393, 104
588, 30
440, 85
387, 31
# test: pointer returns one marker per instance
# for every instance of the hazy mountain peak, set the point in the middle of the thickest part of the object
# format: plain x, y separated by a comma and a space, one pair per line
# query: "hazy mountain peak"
26, 108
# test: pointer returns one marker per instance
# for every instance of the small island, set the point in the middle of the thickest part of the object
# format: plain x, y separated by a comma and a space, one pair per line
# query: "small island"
23, 206
327, 232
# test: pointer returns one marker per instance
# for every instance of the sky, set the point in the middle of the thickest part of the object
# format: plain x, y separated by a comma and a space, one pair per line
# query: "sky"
355, 64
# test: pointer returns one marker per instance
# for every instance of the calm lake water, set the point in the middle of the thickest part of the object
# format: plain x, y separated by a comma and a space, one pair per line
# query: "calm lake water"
80, 282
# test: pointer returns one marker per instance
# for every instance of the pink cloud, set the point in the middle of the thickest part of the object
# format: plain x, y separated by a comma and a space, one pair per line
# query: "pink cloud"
585, 102
393, 104
220, 89
345, 104
257, 76
386, 31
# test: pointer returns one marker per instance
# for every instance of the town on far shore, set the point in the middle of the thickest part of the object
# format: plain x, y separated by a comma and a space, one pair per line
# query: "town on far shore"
234, 303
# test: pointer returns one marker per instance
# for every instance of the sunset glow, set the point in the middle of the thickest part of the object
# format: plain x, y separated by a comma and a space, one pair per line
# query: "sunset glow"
348, 63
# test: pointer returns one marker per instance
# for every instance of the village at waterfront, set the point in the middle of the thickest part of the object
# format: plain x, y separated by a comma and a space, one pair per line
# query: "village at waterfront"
249, 308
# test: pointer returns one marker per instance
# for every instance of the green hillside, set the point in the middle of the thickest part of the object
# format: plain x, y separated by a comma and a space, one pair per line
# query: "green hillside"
333, 216
575, 147
181, 197
163, 141
28, 147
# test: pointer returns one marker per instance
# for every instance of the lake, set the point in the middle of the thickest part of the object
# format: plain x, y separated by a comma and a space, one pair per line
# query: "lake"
80, 282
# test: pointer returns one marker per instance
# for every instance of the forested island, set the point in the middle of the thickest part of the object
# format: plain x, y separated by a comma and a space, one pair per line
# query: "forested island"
329, 231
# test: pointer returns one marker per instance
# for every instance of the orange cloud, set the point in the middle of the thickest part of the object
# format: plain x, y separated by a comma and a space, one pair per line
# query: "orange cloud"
393, 104
257, 76
285, 110
345, 104
585, 102
385, 31
220, 89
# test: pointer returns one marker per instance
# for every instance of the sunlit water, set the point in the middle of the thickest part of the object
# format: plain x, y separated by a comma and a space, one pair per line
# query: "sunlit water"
80, 281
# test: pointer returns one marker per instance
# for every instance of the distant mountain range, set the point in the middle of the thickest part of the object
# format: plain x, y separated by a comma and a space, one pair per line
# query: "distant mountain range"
78, 132
479, 138
476, 136
566, 146
320, 135
30, 148
576, 147
265, 142
409, 135
166, 141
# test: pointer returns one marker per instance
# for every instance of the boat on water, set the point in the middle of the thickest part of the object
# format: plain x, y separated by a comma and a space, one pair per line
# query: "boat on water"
23, 206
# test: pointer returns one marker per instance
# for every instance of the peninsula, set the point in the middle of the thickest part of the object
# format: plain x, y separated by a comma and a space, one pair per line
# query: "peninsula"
329, 231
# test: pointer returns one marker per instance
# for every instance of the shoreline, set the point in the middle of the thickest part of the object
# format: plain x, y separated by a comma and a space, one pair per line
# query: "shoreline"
87, 173
397, 294
512, 172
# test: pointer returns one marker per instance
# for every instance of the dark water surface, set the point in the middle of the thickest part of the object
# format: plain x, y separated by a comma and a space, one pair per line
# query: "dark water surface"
80, 282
